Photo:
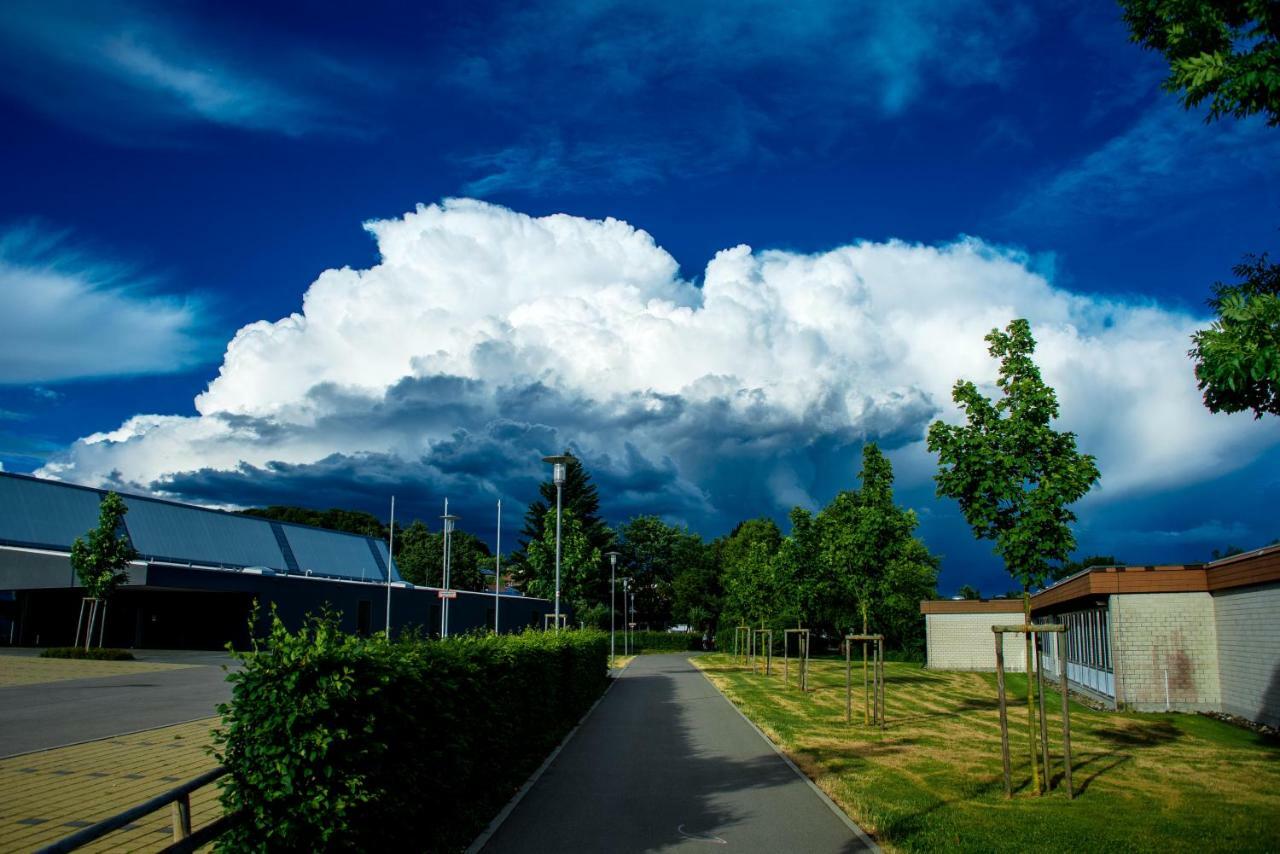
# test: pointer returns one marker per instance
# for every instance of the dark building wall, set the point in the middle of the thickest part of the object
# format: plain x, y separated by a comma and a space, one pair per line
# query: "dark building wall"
185, 608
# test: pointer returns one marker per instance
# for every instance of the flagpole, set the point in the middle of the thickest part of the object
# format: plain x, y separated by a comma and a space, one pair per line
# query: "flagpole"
497, 571
391, 545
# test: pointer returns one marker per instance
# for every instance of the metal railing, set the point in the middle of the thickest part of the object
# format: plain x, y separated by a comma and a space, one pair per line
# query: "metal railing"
179, 801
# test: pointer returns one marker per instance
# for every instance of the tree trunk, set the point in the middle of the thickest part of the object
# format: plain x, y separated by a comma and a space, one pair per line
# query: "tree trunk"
866, 689
1031, 695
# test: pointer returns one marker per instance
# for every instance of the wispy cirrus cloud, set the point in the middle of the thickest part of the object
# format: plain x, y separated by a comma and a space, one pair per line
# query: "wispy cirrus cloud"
1166, 158
682, 88
68, 316
130, 72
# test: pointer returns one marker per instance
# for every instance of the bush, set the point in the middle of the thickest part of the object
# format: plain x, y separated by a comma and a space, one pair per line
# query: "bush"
665, 641
100, 654
338, 742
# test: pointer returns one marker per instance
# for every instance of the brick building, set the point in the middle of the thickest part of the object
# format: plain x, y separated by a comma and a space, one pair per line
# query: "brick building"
1199, 637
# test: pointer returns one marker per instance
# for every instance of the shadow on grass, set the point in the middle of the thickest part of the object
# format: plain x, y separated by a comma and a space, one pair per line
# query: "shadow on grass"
1139, 734
1100, 763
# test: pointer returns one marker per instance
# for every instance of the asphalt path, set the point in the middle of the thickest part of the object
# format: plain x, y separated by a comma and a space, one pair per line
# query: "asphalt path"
53, 714
666, 763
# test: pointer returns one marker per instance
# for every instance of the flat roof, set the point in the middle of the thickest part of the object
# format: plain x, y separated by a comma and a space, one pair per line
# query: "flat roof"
971, 606
50, 514
1260, 566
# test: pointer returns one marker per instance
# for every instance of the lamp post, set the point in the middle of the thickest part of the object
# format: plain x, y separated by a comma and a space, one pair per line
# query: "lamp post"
558, 464
613, 608
391, 557
626, 642
448, 520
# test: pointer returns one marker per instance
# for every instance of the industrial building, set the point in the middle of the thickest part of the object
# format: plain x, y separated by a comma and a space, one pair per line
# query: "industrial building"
1196, 637
200, 572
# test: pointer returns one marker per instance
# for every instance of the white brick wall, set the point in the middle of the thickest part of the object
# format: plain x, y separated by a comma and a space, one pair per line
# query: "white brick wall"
1249, 652
966, 642
1155, 634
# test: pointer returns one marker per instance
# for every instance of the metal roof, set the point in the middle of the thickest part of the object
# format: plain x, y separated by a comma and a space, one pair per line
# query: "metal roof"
49, 514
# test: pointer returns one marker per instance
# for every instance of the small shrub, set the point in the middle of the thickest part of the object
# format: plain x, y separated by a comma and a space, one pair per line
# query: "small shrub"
336, 742
91, 654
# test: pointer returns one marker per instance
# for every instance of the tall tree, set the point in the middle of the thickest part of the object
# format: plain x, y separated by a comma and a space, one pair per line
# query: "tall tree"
747, 567
579, 495
1227, 51
968, 591
333, 519
1238, 357
102, 558
1013, 474
654, 554
698, 593
420, 557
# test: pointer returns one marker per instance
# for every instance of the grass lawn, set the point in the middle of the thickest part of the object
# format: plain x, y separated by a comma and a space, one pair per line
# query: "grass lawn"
932, 780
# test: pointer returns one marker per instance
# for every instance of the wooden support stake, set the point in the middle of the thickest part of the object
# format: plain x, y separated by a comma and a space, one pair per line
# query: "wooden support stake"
1066, 726
1044, 720
1004, 718
848, 681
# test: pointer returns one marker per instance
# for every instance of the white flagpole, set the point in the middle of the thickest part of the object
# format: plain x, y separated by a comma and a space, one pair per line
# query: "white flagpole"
497, 571
391, 545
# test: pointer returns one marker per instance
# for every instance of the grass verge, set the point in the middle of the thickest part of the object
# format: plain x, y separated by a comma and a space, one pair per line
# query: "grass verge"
932, 780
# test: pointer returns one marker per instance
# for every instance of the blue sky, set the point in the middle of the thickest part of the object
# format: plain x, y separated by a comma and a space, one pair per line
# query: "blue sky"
177, 173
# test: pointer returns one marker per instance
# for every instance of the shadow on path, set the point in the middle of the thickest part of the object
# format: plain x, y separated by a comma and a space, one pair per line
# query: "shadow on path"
664, 763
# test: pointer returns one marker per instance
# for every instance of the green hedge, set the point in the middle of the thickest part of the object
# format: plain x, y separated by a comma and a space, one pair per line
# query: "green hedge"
97, 654
665, 641
338, 742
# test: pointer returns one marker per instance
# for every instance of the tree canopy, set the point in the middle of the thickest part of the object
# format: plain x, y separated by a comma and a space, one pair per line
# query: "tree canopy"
1238, 357
1226, 51
420, 557
1013, 475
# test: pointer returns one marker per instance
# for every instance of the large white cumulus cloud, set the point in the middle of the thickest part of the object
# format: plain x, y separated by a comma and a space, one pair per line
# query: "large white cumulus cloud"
485, 335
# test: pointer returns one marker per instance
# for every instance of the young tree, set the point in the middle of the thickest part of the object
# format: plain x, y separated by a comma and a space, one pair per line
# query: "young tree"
1013, 474
102, 558
1238, 357
580, 566
1224, 50
969, 592
878, 569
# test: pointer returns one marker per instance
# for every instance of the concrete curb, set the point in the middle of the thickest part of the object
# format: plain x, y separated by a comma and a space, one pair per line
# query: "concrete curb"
831, 805
487, 834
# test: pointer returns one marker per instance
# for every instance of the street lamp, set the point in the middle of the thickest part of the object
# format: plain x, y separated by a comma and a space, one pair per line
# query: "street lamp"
626, 642
613, 608
448, 520
558, 464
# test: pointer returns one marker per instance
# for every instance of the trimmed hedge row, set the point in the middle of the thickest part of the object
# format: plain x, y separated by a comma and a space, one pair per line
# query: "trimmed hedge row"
93, 654
664, 641
338, 742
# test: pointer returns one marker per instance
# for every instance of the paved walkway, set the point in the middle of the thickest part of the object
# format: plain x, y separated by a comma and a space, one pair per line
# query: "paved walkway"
666, 763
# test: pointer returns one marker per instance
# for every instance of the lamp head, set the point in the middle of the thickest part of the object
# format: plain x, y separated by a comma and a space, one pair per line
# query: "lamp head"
558, 464
613, 558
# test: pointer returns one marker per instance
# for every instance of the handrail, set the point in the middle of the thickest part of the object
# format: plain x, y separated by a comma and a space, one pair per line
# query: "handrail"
179, 796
